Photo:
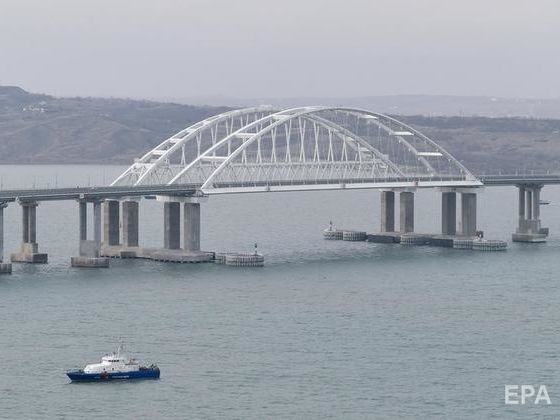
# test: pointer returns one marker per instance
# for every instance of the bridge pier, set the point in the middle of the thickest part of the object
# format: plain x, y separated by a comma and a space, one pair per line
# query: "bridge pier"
90, 250
5, 268
111, 222
407, 211
191, 225
112, 227
130, 218
449, 213
191, 238
468, 213
529, 223
172, 225
387, 211
172, 251
29, 252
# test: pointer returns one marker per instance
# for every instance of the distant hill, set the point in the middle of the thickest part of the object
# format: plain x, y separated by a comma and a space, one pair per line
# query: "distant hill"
433, 105
45, 129
37, 128
493, 145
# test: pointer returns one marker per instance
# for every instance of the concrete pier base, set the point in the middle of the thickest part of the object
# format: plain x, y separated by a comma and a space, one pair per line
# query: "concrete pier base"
415, 239
90, 262
384, 238
5, 268
158, 254
529, 228
22, 257
529, 237
444, 241
29, 252
90, 250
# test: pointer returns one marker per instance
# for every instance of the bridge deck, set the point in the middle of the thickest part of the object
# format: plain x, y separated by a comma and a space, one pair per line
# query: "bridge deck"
95, 193
100, 193
503, 180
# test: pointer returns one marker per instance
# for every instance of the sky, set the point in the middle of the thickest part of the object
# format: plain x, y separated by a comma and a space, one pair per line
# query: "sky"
284, 48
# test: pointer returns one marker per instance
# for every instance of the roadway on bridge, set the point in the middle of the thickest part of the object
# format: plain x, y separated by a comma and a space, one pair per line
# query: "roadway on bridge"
182, 190
96, 193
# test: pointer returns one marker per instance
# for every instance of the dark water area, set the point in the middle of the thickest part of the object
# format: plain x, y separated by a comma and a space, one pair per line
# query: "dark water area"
324, 330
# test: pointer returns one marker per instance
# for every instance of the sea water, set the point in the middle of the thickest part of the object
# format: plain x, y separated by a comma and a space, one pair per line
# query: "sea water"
327, 329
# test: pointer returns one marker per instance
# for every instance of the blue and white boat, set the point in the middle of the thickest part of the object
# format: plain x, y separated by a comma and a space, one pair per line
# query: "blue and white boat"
114, 366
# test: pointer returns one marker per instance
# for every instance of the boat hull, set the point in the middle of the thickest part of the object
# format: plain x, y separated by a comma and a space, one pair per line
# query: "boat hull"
78, 376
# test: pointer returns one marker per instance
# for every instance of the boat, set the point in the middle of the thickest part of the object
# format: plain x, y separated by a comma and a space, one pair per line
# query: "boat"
544, 202
114, 366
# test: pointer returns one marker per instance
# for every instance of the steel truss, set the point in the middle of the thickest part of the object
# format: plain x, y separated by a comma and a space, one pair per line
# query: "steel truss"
260, 148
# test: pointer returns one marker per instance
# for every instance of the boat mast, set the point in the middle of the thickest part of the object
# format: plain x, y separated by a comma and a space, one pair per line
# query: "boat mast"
119, 348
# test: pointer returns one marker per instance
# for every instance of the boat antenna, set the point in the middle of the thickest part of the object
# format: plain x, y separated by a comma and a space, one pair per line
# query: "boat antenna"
120, 347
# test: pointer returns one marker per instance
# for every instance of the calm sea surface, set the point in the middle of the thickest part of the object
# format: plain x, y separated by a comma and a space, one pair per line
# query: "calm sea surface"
324, 330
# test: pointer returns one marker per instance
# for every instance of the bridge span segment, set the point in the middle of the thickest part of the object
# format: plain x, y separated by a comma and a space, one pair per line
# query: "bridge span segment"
265, 149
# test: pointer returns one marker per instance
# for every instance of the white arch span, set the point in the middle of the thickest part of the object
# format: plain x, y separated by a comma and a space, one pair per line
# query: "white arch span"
261, 149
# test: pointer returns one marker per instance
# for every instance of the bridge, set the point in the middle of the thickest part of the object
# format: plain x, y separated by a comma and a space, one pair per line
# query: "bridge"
263, 149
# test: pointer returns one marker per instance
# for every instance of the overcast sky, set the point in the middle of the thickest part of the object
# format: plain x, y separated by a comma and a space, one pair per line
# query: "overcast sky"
281, 48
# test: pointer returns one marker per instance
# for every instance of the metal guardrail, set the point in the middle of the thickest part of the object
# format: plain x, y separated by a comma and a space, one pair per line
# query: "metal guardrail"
100, 193
96, 193
517, 179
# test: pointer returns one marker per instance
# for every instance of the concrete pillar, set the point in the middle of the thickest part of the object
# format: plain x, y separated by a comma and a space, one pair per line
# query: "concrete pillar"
537, 203
5, 268
191, 227
521, 208
448, 213
29, 222
82, 205
24, 223
2, 207
97, 227
130, 223
32, 224
468, 214
529, 203
407, 211
387, 211
111, 221
172, 225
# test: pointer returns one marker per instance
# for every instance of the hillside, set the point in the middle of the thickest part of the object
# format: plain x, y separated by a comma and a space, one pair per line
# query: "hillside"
45, 129
491, 145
